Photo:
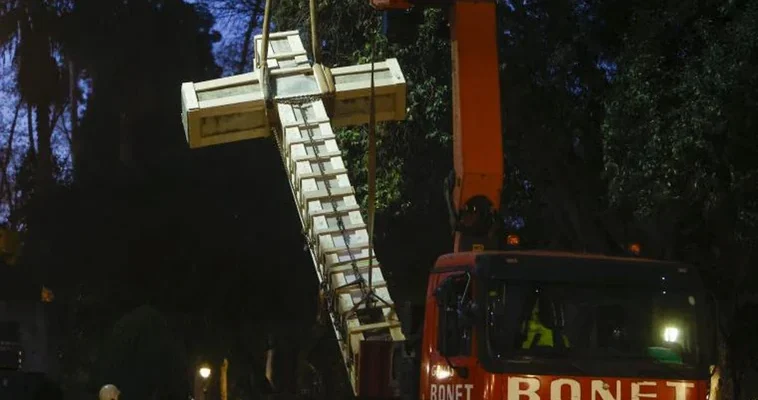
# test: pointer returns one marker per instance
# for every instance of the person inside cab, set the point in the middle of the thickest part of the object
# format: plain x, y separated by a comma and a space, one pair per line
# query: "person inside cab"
539, 333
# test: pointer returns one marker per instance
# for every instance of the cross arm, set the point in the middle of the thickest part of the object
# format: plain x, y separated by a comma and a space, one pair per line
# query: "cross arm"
233, 108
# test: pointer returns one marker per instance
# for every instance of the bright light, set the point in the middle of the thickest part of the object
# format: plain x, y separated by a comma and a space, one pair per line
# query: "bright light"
204, 372
670, 334
635, 248
513, 240
442, 372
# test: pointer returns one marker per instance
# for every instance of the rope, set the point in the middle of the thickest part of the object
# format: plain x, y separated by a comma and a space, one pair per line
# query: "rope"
263, 64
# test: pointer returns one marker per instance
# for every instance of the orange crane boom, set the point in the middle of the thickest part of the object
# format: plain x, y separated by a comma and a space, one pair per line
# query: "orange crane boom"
477, 130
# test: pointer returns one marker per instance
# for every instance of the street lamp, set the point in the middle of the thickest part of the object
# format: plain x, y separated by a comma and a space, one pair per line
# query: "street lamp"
205, 372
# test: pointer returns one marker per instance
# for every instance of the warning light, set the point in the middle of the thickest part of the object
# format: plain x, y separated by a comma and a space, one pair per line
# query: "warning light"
513, 240
47, 295
635, 248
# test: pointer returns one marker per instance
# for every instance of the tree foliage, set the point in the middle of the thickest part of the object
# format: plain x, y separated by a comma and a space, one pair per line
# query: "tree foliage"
680, 147
143, 359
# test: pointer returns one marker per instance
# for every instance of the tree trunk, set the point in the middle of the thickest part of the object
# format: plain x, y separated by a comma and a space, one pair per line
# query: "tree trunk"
73, 81
30, 130
44, 173
222, 380
573, 220
5, 183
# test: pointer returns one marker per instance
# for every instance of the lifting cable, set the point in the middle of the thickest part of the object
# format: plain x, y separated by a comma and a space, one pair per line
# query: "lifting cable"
315, 48
371, 202
263, 62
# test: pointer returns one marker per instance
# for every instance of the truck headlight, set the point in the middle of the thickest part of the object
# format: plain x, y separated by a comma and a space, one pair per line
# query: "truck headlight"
670, 334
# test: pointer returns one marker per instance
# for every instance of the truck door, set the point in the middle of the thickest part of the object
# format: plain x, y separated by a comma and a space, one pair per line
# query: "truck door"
451, 362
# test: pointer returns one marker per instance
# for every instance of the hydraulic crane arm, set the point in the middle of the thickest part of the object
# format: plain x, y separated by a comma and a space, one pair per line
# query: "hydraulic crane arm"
477, 181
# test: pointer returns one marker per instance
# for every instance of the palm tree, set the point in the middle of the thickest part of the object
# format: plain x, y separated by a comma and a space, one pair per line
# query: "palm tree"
30, 31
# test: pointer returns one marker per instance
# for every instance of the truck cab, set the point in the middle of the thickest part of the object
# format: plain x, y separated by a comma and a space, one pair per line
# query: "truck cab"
535, 325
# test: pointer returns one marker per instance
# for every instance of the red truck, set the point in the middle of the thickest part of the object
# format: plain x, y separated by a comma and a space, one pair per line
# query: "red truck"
617, 328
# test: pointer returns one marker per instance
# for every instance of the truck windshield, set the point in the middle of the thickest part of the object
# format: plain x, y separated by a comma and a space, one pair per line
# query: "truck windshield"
610, 323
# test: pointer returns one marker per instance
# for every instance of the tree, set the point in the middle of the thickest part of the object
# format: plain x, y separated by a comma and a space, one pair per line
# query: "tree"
680, 147
241, 20
31, 31
143, 359
556, 61
120, 46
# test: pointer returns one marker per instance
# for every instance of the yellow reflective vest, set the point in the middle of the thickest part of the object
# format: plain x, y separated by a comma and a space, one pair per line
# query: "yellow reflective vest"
534, 327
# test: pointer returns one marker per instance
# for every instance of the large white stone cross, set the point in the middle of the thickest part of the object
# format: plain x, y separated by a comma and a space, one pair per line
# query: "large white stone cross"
233, 108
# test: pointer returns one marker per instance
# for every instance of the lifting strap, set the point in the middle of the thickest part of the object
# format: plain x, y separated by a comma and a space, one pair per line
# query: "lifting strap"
315, 48
371, 202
